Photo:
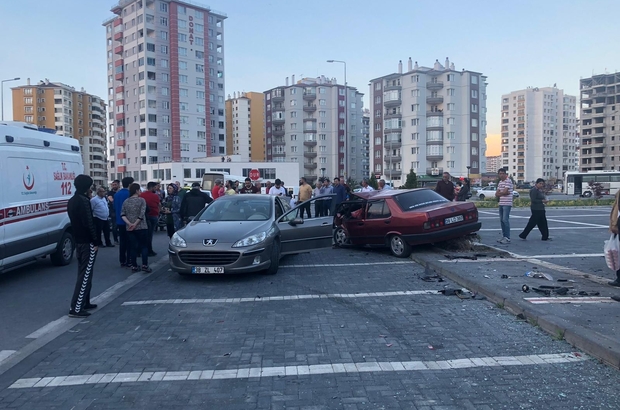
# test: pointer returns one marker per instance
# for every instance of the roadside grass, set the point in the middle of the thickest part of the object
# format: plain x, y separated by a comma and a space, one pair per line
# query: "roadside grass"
525, 203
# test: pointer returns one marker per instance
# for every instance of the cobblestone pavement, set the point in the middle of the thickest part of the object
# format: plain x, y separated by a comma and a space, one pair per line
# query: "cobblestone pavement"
334, 329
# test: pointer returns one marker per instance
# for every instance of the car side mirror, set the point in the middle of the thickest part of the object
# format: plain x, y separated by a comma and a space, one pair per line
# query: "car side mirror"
296, 221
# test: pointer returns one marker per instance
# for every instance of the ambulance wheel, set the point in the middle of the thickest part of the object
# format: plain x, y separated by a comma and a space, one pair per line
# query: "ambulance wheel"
64, 250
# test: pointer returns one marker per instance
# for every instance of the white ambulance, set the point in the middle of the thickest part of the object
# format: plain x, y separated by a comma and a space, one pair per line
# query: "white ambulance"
37, 171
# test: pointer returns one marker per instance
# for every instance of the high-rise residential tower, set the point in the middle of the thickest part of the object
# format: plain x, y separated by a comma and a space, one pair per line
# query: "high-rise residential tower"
538, 133
494, 163
600, 122
245, 126
429, 120
165, 84
61, 108
305, 123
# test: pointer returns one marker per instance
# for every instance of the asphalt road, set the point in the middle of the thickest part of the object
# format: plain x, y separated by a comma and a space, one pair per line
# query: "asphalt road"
33, 296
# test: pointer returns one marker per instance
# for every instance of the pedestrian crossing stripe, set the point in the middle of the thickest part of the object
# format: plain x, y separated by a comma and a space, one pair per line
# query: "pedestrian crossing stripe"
304, 370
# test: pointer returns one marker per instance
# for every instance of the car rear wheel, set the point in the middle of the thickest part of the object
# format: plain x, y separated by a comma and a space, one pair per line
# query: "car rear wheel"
275, 259
481, 197
399, 247
340, 237
64, 250
587, 194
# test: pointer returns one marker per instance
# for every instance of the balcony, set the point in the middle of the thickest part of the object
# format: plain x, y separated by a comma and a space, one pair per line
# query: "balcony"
310, 165
309, 95
310, 143
278, 120
278, 141
392, 103
392, 143
278, 132
119, 76
434, 113
392, 87
310, 107
118, 36
310, 177
392, 172
434, 85
278, 154
434, 171
392, 129
278, 98
309, 154
434, 100
118, 50
387, 116
392, 159
309, 119
434, 157
434, 142
309, 130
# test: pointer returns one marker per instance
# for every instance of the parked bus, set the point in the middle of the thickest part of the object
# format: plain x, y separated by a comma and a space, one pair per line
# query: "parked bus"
576, 183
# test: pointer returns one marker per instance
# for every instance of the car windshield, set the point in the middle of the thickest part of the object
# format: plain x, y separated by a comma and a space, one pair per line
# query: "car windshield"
409, 201
238, 209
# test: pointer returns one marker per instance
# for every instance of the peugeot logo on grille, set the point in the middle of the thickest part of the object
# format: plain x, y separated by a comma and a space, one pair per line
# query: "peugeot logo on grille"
209, 242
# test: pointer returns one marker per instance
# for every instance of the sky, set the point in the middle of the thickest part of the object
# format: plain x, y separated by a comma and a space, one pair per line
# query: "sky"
515, 44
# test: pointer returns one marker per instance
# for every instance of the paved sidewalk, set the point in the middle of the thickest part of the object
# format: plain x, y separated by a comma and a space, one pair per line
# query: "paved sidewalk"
590, 322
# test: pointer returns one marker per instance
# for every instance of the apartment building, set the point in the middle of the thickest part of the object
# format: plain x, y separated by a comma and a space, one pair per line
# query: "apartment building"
77, 114
165, 84
306, 122
600, 122
539, 127
494, 163
429, 120
245, 126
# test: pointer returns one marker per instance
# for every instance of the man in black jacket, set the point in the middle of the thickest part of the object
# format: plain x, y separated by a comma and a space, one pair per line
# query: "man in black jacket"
86, 240
537, 206
193, 202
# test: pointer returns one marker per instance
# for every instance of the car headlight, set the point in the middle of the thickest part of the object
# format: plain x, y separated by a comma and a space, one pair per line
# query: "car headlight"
251, 240
177, 241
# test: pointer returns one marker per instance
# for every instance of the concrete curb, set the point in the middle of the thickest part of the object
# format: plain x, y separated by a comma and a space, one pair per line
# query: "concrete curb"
593, 343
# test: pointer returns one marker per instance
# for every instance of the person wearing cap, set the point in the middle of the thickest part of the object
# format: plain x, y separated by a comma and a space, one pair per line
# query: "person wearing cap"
277, 189
248, 188
193, 202
86, 245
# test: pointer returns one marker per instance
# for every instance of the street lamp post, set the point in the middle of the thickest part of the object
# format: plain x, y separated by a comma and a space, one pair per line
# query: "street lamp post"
346, 118
557, 173
2, 95
468, 168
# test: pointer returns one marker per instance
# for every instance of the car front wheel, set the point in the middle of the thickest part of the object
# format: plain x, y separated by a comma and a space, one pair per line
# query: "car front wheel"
481, 197
64, 250
587, 194
340, 237
399, 247
275, 259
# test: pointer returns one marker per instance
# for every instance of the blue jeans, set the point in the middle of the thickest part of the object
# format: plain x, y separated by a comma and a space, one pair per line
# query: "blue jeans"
504, 218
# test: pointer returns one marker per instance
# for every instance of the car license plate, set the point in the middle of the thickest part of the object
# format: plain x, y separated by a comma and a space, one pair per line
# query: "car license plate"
454, 219
208, 269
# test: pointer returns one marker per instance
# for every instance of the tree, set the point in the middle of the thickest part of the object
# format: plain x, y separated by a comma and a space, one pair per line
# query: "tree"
412, 180
372, 181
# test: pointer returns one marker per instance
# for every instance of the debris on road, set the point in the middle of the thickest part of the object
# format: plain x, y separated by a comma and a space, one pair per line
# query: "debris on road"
538, 275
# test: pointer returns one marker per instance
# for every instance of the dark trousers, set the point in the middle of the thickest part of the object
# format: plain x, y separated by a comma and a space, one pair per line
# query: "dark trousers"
138, 245
86, 254
319, 208
539, 219
170, 228
305, 207
151, 221
113, 227
123, 245
103, 227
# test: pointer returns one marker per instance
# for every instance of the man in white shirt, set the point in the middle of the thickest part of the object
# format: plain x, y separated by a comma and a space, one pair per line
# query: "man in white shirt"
365, 186
277, 189
382, 186
101, 212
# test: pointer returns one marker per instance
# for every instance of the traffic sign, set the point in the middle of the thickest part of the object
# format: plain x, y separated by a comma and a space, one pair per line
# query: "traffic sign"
254, 174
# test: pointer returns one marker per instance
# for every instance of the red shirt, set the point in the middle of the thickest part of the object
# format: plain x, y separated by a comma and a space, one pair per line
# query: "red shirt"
215, 192
152, 201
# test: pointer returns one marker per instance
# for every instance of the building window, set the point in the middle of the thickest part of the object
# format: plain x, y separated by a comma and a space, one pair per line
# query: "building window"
163, 7
474, 79
163, 35
450, 106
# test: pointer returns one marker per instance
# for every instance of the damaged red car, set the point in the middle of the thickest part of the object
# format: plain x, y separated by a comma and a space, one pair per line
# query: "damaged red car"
400, 219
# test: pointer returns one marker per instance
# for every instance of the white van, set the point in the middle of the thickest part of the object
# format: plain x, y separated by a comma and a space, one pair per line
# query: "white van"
38, 169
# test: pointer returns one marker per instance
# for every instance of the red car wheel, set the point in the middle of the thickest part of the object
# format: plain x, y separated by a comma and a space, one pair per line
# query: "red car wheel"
340, 237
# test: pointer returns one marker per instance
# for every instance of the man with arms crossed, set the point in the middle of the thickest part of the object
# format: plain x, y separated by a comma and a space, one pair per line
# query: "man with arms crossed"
504, 193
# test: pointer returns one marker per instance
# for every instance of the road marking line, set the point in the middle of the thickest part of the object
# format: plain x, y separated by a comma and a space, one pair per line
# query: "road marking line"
323, 265
563, 216
576, 255
574, 272
283, 371
278, 298
551, 228
4, 354
577, 300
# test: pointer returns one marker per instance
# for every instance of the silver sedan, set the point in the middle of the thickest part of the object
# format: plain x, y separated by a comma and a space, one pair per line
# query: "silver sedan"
247, 233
